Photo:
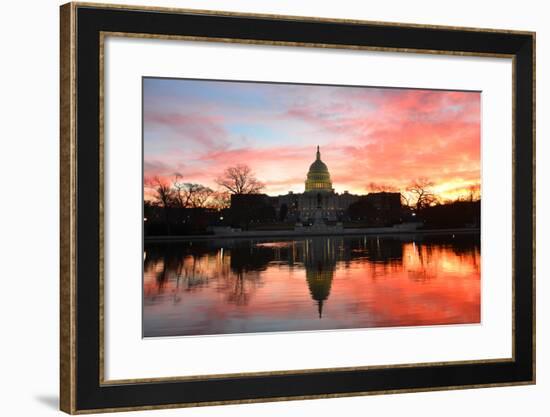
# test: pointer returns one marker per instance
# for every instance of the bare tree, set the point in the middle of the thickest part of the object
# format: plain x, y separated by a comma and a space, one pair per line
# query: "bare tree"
220, 200
239, 179
164, 195
181, 196
199, 195
163, 192
190, 195
421, 194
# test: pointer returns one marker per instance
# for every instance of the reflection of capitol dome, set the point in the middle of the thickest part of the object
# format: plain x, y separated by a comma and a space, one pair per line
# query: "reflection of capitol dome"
319, 281
320, 264
318, 177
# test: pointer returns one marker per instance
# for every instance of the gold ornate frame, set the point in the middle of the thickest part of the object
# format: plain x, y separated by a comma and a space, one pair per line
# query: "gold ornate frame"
68, 201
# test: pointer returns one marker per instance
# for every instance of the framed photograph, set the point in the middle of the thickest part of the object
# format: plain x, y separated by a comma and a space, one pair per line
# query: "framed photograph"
264, 208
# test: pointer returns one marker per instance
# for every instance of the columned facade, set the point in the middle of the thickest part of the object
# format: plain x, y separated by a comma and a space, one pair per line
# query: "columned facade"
318, 199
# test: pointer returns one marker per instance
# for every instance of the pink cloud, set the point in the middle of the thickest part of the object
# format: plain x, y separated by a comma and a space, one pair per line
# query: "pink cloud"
366, 135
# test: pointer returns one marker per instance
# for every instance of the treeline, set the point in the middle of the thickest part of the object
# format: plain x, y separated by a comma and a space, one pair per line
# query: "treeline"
175, 192
178, 207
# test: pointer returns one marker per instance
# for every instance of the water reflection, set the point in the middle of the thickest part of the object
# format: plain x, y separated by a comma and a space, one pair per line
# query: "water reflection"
242, 285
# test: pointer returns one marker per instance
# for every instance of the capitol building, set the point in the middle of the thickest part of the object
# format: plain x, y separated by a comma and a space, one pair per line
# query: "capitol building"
319, 200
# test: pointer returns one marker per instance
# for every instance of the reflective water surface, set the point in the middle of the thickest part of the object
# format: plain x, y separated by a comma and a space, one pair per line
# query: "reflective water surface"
310, 283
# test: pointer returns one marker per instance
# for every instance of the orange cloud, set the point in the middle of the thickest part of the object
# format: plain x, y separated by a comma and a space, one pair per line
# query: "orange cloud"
387, 136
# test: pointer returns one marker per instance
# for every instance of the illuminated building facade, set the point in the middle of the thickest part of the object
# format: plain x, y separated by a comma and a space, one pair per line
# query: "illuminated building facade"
318, 200
318, 204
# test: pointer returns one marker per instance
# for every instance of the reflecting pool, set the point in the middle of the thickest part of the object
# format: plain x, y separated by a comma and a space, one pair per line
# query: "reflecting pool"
222, 286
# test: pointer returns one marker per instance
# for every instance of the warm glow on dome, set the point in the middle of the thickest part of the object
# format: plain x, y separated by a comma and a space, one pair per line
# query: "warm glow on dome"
318, 177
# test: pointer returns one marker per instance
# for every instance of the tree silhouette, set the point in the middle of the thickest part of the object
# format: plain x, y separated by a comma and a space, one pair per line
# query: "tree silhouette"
220, 200
164, 195
199, 195
190, 195
180, 190
239, 179
421, 195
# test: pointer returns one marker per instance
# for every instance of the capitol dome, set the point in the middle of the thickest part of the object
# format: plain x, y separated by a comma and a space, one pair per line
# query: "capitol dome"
318, 177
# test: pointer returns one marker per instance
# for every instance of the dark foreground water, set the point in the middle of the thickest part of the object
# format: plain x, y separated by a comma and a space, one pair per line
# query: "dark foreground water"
266, 285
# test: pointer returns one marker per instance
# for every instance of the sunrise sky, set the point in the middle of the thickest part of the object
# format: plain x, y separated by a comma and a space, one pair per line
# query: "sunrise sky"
367, 135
